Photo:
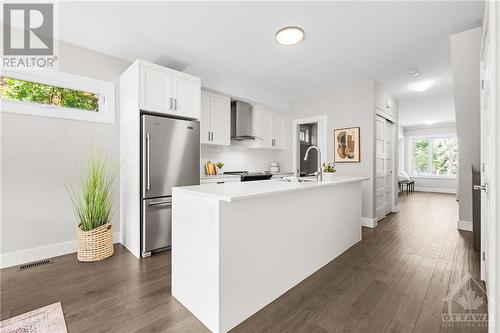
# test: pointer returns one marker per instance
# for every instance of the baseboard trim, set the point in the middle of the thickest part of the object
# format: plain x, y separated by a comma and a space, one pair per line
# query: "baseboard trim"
435, 190
464, 225
43, 252
395, 209
368, 222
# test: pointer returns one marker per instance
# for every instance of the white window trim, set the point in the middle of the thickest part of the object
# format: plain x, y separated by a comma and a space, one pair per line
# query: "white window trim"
427, 176
104, 89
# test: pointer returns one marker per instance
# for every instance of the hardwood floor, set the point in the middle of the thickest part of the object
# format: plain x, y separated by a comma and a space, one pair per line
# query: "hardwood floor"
395, 280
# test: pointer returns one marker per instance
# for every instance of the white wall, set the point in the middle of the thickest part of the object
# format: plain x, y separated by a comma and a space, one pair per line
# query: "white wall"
384, 101
38, 158
465, 60
401, 150
349, 105
422, 183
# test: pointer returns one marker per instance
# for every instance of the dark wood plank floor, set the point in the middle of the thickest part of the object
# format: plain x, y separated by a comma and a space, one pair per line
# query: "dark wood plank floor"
395, 280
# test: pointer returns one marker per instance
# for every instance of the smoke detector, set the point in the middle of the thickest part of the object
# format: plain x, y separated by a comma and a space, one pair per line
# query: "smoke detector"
413, 73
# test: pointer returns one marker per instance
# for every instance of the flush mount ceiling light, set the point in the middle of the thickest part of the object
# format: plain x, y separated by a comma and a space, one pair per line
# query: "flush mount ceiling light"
421, 85
289, 35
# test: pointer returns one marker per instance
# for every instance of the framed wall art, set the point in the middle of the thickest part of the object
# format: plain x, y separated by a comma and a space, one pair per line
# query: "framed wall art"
346, 145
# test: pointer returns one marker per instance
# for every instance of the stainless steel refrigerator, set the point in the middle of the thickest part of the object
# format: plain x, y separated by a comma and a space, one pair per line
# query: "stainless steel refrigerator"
170, 157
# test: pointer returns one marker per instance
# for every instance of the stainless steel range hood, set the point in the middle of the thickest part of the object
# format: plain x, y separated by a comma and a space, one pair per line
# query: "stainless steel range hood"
241, 122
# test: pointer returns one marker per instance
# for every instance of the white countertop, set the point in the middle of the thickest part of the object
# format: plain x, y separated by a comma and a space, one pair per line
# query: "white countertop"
219, 176
247, 190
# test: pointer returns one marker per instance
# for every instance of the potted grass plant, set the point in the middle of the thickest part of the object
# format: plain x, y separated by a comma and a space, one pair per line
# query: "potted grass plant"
93, 205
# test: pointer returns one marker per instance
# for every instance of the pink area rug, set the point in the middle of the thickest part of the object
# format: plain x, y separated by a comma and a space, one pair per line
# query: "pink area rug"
49, 319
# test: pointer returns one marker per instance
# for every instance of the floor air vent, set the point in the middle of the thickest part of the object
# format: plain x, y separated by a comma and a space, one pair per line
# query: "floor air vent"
35, 264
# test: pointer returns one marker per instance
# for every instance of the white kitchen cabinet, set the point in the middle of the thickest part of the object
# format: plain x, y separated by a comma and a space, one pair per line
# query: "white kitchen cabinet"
262, 126
269, 126
154, 90
205, 132
167, 91
277, 131
215, 119
186, 97
220, 180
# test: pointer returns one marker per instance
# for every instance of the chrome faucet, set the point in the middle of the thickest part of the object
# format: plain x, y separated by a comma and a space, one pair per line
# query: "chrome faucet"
319, 173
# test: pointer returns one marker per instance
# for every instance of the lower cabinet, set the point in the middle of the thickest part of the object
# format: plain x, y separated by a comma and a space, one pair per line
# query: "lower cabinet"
220, 180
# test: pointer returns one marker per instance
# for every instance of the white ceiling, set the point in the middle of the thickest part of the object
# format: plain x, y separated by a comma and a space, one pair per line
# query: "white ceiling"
344, 41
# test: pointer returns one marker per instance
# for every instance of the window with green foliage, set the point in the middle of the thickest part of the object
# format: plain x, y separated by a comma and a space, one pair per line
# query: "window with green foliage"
33, 92
436, 156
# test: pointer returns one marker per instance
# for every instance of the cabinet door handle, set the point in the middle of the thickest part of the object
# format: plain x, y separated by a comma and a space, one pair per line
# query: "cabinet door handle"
208, 135
175, 104
212, 137
170, 103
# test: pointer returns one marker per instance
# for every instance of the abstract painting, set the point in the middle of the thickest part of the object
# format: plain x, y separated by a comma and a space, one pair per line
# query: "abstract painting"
346, 145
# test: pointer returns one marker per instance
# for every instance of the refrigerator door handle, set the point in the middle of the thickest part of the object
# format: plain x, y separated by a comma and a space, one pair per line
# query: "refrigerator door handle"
148, 162
158, 203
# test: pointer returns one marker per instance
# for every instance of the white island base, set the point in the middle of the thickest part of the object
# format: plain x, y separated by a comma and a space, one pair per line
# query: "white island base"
238, 246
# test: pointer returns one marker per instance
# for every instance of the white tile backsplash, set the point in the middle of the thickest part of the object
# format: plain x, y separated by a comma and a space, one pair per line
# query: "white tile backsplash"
238, 157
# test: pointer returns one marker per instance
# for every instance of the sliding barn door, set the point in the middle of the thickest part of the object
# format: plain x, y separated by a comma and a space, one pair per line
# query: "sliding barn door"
384, 186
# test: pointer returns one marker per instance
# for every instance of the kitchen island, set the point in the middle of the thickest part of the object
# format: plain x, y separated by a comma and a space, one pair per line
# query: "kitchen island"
238, 246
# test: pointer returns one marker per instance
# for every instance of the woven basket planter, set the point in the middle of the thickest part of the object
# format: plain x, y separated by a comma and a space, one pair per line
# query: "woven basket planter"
96, 244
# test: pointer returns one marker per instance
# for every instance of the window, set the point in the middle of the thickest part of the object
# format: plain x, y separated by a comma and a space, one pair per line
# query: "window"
26, 91
304, 135
57, 94
435, 156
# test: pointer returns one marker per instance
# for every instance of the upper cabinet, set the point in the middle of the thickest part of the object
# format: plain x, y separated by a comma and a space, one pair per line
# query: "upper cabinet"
167, 91
278, 130
262, 126
155, 90
186, 97
269, 126
215, 121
